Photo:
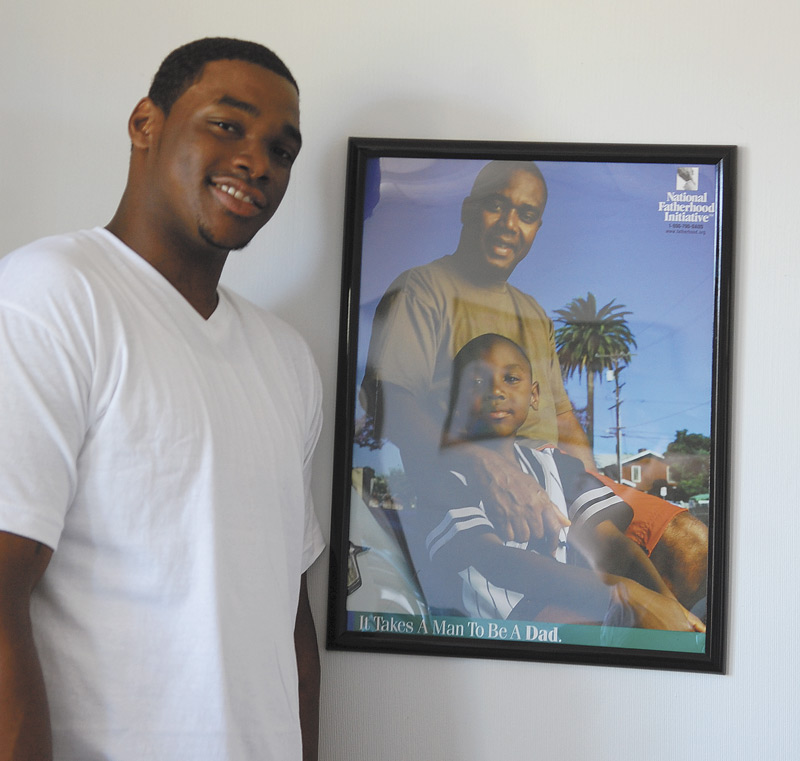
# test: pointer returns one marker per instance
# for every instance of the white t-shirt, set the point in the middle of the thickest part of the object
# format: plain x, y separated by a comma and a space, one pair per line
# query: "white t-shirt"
166, 458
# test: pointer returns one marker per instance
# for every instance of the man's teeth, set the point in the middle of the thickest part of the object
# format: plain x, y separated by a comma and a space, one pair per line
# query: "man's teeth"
237, 194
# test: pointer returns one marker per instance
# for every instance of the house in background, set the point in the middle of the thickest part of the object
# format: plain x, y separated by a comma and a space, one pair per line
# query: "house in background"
643, 471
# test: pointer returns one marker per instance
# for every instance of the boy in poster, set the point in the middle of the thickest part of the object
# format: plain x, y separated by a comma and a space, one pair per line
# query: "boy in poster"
588, 578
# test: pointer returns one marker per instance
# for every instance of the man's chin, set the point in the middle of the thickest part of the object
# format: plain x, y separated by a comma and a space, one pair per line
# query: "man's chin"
232, 243
497, 269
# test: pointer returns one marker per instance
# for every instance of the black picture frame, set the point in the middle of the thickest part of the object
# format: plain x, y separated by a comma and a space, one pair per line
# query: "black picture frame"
669, 249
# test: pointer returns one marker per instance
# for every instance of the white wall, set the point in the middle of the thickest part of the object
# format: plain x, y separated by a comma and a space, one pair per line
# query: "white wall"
687, 71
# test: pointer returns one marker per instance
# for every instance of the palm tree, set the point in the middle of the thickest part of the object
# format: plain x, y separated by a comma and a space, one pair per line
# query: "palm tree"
591, 340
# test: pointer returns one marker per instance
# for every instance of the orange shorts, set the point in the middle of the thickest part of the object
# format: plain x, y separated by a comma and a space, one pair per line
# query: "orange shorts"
651, 515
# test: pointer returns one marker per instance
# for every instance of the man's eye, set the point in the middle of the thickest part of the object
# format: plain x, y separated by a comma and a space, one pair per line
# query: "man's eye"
227, 127
529, 217
511, 379
284, 156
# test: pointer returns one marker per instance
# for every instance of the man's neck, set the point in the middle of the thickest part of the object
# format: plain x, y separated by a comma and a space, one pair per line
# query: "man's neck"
194, 274
480, 276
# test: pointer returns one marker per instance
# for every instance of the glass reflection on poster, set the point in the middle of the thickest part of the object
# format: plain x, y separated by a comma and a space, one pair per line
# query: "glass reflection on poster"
532, 410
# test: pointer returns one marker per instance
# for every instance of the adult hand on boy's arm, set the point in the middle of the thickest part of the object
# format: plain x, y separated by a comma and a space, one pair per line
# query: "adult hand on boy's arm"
517, 505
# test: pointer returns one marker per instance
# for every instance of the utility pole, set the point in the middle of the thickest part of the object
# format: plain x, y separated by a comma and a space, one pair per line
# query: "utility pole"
617, 404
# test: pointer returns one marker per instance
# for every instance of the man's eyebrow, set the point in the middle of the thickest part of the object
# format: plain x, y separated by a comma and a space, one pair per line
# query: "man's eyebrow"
293, 133
242, 105
253, 110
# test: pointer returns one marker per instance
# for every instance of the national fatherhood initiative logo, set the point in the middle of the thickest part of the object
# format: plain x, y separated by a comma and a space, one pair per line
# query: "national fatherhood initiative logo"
685, 204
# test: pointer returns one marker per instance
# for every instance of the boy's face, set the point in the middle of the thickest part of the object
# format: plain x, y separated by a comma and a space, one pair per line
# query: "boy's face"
496, 392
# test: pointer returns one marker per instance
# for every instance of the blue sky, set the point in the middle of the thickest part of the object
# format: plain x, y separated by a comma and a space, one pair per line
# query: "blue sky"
602, 232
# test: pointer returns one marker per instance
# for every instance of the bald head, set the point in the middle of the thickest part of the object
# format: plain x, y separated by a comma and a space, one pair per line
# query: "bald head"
496, 175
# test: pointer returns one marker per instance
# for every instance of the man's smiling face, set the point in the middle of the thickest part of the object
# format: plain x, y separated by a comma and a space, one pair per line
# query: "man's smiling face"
220, 160
501, 223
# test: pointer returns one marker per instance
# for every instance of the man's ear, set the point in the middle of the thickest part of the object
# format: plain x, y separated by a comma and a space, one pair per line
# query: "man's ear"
535, 395
144, 124
467, 210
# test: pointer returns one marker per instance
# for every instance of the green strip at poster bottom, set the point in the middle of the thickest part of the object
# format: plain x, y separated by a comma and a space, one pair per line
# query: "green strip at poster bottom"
527, 631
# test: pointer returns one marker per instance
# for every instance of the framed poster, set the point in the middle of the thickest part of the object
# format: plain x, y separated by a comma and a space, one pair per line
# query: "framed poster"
533, 402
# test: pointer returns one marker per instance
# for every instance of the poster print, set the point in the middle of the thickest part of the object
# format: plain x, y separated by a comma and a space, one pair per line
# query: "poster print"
532, 409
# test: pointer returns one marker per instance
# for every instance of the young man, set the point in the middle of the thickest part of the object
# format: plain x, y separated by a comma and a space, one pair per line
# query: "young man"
595, 573
155, 515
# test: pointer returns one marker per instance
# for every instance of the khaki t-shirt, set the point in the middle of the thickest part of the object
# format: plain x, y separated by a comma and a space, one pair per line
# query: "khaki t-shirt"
429, 313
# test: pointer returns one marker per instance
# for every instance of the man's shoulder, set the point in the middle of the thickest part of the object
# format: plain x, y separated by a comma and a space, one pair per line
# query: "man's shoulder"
76, 252
63, 248
52, 267
424, 274
434, 283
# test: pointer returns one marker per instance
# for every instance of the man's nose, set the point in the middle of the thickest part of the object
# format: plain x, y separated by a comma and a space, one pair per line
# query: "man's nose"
254, 161
510, 219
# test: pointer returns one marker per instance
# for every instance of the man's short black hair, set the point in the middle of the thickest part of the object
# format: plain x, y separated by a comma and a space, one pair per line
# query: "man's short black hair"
184, 66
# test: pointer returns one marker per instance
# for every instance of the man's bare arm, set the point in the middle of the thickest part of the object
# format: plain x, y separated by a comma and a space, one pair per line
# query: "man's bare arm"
572, 440
608, 550
308, 671
24, 715
519, 507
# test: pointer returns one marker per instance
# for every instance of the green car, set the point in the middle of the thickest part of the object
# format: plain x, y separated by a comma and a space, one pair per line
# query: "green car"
698, 506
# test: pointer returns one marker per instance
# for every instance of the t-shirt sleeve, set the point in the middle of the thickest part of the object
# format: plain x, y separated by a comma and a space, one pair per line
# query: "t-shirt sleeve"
454, 525
403, 343
314, 542
44, 389
589, 501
